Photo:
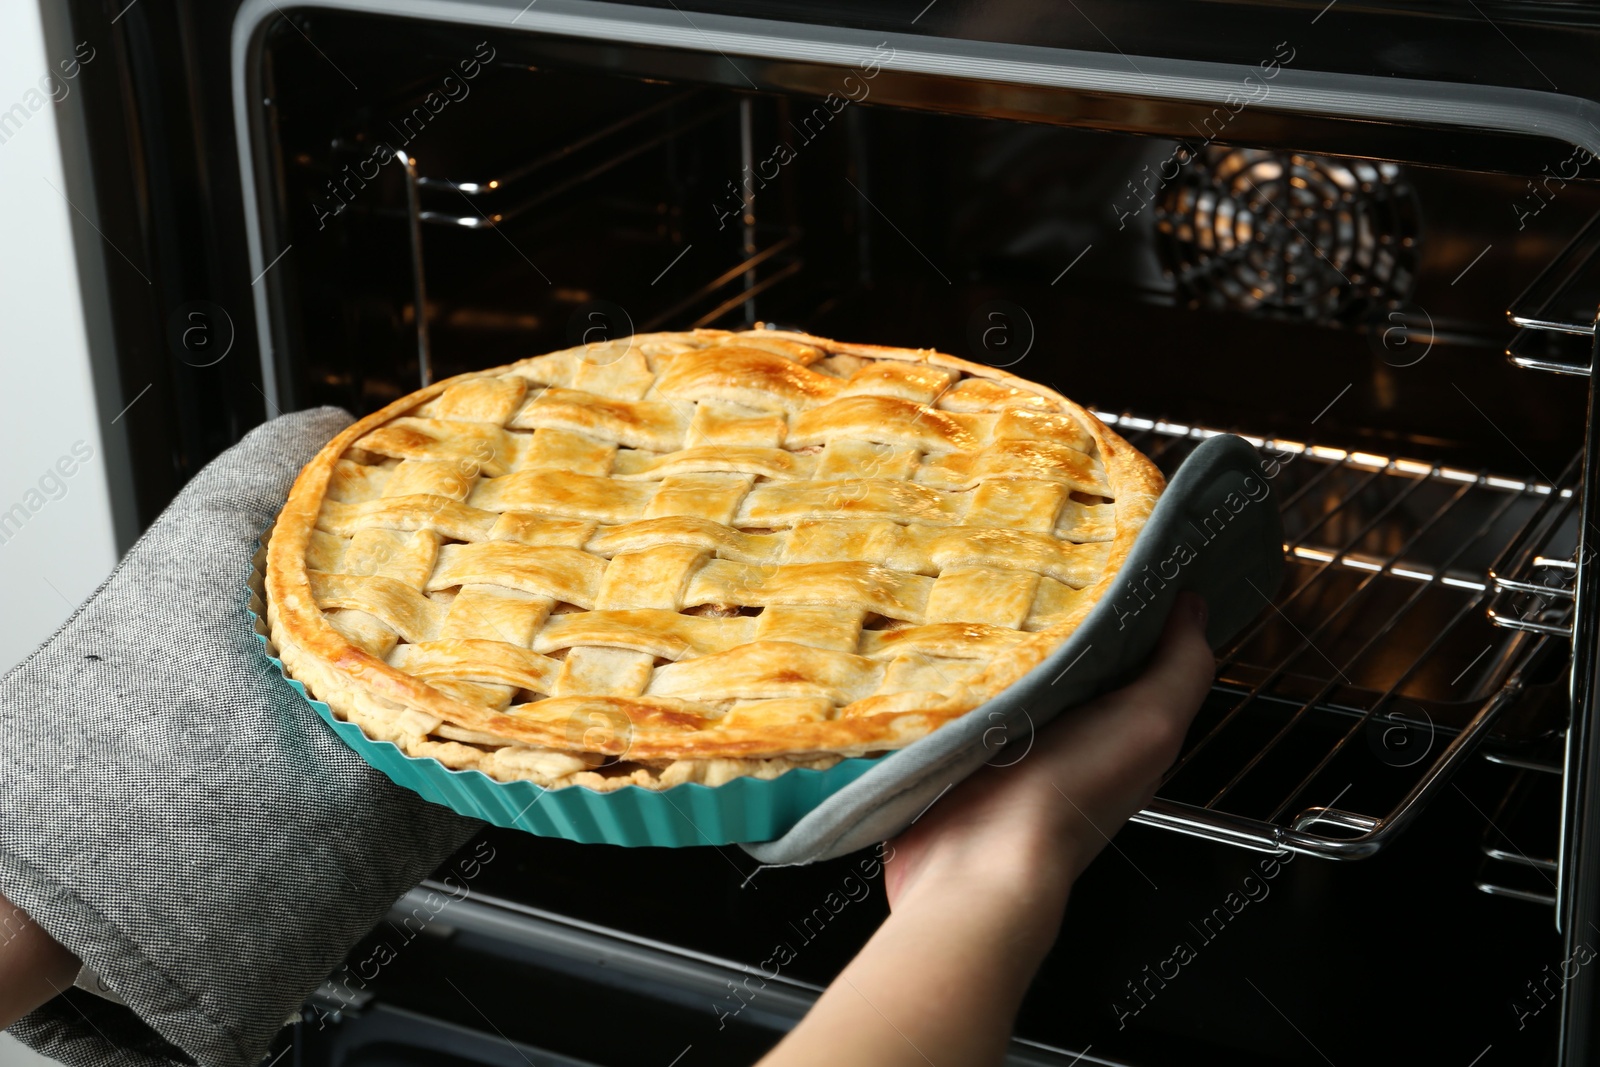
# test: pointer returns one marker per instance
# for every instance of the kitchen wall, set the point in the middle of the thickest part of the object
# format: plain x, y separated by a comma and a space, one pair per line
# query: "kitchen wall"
56, 541
14, 1053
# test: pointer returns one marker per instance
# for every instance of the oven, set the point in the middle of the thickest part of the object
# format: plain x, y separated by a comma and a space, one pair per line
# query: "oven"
1364, 239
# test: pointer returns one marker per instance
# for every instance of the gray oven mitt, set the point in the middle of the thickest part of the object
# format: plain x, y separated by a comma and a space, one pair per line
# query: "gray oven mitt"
1215, 530
174, 813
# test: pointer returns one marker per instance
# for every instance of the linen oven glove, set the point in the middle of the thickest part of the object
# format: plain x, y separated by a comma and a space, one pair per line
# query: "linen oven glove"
174, 813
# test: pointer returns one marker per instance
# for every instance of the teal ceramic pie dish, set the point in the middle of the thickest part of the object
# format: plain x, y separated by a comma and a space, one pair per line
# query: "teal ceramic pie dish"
741, 811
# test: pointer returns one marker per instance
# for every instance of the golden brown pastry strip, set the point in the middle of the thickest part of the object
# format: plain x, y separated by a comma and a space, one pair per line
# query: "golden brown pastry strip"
698, 551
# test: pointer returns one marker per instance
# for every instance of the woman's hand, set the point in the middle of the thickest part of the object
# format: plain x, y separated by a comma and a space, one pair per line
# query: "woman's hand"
1032, 827
287, 847
978, 883
33, 968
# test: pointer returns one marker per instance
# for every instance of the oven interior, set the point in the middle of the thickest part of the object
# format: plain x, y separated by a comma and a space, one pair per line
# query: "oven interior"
1346, 314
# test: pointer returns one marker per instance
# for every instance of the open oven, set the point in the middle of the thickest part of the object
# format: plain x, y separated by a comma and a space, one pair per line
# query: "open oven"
1364, 240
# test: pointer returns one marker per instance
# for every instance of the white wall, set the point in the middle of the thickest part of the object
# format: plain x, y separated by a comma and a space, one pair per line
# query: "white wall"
59, 546
14, 1053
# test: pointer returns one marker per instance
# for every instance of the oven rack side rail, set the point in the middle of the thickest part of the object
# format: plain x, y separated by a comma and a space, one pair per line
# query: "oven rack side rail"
1510, 867
770, 255
1560, 333
1338, 486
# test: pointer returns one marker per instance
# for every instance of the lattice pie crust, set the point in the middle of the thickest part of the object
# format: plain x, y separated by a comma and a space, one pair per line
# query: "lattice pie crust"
695, 556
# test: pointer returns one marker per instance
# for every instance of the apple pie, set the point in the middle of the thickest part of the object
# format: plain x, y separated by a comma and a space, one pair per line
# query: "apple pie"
685, 557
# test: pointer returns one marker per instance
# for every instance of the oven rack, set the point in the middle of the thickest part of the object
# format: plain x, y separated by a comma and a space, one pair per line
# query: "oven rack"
1511, 867
768, 255
492, 202
1375, 671
1266, 766
1558, 334
1556, 312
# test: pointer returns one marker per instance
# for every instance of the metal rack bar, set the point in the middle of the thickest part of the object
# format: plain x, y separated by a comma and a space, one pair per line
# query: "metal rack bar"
1361, 723
748, 222
1157, 448
1537, 307
1557, 353
1536, 862
742, 269
1407, 570
1367, 584
1515, 894
1516, 558
1322, 520
1517, 586
1307, 640
1374, 833
486, 221
1327, 471
1560, 304
1539, 526
1332, 831
533, 166
1513, 857
1508, 759
1128, 421
1328, 559
747, 298
1532, 626
419, 285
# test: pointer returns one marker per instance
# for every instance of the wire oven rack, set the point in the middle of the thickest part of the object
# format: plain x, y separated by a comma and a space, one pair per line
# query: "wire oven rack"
1519, 840
1417, 595
771, 253
1375, 670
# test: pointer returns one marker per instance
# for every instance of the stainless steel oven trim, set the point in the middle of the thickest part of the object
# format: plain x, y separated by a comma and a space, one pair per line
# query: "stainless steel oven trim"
1489, 108
1577, 910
